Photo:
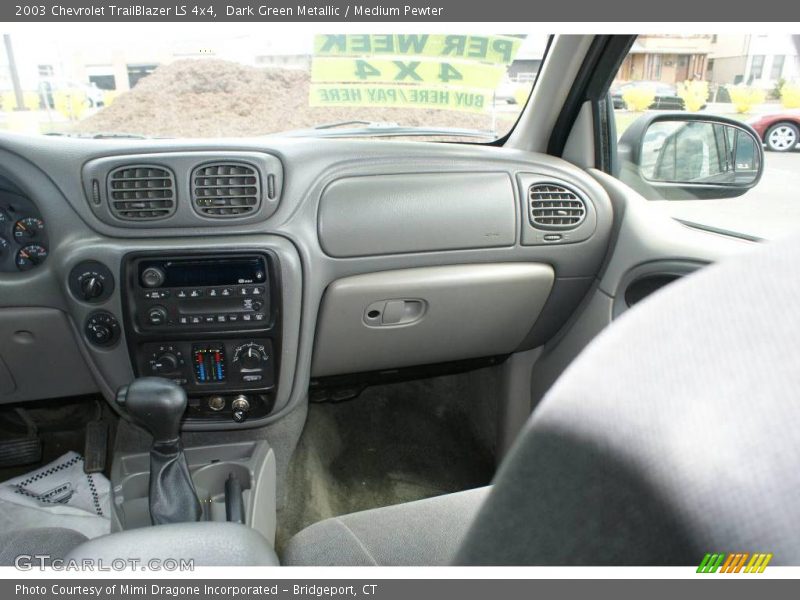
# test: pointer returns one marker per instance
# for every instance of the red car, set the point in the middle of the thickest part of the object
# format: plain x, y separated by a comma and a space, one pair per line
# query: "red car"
780, 132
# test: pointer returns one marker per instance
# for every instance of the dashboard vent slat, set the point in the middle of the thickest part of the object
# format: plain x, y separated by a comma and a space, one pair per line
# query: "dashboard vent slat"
141, 192
226, 190
553, 206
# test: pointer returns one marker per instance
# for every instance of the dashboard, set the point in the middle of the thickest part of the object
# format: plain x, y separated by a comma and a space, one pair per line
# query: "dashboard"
247, 269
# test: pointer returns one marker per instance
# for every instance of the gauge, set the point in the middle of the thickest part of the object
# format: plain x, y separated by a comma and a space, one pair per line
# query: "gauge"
31, 256
3, 246
29, 228
3, 216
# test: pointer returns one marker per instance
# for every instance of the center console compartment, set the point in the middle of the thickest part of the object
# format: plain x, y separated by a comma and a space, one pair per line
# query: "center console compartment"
251, 463
211, 323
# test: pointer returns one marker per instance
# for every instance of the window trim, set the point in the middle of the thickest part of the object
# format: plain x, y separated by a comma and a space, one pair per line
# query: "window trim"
592, 84
501, 141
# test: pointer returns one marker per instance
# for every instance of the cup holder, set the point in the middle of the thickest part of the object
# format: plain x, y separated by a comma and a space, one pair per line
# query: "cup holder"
251, 463
209, 480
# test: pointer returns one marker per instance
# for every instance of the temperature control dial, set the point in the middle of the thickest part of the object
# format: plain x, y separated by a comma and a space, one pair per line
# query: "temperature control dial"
250, 357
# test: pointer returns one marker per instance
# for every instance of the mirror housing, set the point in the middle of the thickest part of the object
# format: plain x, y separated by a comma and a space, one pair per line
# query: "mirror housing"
687, 156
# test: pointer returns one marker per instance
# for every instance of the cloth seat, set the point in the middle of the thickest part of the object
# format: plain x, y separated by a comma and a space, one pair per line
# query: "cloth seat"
56, 542
425, 532
673, 434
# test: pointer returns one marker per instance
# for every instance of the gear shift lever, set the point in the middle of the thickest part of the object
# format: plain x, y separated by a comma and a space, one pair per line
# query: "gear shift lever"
157, 405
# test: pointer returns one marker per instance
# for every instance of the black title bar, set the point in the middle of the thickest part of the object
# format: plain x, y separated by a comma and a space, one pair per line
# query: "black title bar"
606, 11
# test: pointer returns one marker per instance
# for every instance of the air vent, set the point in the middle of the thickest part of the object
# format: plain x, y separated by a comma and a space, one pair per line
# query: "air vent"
141, 192
226, 189
552, 206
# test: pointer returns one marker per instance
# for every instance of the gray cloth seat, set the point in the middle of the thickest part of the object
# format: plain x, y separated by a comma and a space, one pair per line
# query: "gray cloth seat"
55, 542
673, 434
425, 532
206, 543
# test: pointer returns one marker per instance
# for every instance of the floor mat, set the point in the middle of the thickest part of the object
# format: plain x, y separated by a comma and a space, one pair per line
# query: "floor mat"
59, 494
61, 423
394, 443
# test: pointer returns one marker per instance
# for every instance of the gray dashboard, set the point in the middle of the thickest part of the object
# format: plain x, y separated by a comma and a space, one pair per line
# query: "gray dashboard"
338, 210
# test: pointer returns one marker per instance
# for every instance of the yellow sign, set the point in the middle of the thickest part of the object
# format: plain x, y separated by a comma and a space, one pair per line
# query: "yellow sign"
455, 72
493, 49
407, 96
358, 70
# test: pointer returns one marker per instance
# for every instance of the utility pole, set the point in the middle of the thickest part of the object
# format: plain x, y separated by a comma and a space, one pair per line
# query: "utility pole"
12, 67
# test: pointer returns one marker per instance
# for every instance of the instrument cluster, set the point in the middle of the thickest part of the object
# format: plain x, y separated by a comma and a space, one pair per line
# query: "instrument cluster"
23, 234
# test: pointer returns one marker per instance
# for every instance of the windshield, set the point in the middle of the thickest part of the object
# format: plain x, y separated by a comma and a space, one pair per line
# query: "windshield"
259, 80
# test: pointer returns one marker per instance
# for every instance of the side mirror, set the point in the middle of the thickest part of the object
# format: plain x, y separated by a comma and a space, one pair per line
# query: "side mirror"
679, 156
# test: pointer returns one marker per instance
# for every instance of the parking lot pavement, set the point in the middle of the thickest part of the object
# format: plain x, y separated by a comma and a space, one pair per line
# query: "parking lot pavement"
770, 210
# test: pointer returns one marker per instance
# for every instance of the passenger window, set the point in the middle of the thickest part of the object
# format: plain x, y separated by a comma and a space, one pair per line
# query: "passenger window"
748, 79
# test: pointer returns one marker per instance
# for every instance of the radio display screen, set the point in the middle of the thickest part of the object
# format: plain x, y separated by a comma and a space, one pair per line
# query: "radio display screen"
209, 272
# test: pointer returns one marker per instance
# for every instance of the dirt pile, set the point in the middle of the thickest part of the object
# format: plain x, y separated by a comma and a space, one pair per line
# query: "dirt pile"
213, 98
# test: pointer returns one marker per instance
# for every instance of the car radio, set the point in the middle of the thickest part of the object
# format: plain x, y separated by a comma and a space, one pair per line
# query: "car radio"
195, 293
208, 322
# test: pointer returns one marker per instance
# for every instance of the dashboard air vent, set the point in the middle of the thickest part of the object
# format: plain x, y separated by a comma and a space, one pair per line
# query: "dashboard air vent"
553, 206
226, 189
141, 192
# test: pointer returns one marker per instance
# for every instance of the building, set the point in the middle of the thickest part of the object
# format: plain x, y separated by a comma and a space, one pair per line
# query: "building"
81, 62
758, 60
528, 61
669, 59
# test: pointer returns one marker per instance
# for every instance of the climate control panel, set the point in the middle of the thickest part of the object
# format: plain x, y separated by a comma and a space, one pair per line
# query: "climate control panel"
235, 364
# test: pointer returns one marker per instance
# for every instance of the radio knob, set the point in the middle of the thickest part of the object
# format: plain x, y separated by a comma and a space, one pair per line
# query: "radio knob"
165, 363
157, 315
91, 287
153, 277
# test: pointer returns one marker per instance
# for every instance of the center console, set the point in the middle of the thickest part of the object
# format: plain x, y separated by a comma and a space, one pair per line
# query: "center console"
251, 463
209, 322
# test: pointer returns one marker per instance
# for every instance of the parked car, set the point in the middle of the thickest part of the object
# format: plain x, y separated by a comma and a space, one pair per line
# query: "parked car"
780, 132
666, 95
504, 94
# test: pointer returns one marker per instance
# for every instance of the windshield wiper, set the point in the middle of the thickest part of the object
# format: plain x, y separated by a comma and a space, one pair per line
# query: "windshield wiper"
355, 128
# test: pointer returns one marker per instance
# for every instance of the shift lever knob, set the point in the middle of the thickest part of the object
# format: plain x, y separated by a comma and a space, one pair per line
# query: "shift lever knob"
155, 404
